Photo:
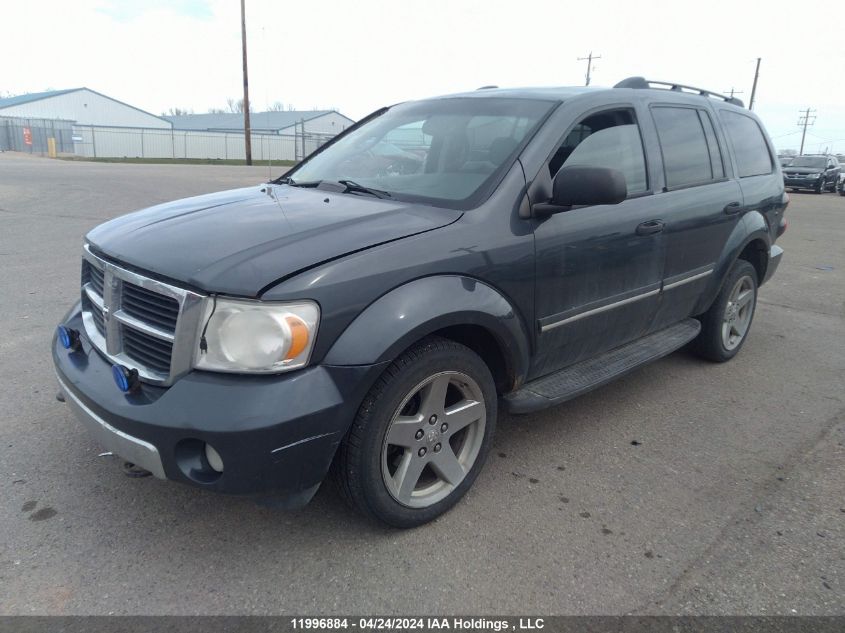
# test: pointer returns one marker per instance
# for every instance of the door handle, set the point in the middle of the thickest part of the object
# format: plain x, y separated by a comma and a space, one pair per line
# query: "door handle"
733, 207
650, 227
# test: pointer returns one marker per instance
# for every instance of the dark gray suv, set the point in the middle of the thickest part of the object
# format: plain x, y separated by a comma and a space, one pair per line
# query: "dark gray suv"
369, 312
818, 173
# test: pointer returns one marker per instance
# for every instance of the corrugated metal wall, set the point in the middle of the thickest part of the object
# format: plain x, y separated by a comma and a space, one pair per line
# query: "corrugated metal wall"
86, 107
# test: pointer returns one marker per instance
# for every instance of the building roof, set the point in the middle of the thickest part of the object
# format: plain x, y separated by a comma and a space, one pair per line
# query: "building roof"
235, 121
5, 102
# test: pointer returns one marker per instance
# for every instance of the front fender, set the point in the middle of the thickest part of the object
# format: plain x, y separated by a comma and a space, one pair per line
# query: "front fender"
752, 226
410, 312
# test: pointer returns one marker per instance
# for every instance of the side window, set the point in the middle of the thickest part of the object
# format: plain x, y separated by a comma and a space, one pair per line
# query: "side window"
750, 148
607, 139
686, 152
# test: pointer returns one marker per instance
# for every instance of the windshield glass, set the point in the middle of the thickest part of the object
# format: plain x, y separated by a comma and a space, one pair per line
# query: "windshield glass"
817, 162
446, 151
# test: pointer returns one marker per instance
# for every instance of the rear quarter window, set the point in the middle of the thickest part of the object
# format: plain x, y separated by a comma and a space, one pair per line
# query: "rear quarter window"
749, 143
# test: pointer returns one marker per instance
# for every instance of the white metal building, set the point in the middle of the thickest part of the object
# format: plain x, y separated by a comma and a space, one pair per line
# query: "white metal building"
329, 122
81, 105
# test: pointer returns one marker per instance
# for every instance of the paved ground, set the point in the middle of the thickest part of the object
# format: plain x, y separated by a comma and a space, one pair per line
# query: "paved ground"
732, 501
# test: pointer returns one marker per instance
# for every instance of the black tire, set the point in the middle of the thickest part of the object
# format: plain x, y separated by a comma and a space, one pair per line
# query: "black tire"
820, 187
358, 467
710, 343
842, 189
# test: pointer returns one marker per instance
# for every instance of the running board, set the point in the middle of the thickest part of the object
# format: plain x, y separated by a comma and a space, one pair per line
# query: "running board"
582, 377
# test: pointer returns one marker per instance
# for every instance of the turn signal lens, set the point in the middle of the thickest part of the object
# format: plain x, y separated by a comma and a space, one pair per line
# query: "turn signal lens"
298, 335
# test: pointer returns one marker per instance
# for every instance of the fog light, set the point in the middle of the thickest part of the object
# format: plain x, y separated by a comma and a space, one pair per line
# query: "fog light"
68, 337
214, 459
126, 379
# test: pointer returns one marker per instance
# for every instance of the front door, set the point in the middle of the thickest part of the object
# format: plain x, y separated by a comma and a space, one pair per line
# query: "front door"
598, 268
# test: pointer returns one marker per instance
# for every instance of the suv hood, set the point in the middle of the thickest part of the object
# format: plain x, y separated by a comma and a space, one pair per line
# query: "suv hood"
239, 242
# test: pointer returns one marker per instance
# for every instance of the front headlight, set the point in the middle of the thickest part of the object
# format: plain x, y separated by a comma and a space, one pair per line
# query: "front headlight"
256, 336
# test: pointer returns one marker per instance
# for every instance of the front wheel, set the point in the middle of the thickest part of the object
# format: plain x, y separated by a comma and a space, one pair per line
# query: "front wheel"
421, 435
725, 326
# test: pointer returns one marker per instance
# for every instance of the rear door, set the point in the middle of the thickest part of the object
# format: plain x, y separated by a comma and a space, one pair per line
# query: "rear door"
698, 199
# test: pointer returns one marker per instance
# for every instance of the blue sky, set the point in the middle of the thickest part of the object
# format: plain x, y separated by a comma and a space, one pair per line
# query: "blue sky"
358, 56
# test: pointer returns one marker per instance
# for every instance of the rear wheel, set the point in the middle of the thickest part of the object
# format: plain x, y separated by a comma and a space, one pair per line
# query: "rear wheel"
725, 326
421, 435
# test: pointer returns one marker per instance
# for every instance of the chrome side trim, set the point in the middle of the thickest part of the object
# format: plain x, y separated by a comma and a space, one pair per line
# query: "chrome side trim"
116, 441
687, 280
599, 310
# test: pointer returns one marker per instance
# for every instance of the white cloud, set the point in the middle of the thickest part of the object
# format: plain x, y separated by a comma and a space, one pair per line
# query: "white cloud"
360, 55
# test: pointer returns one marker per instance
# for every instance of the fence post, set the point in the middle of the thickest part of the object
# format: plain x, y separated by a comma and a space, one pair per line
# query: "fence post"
93, 141
143, 154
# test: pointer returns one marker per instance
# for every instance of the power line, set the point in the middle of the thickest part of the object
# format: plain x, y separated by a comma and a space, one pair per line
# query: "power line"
804, 121
589, 59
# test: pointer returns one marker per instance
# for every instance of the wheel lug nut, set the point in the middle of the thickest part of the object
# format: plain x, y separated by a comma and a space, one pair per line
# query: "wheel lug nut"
419, 434
422, 452
432, 419
444, 427
437, 447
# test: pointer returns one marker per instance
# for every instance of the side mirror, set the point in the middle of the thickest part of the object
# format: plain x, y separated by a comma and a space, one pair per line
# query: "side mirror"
584, 186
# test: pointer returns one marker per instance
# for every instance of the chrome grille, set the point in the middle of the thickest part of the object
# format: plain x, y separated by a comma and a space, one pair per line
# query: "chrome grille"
139, 322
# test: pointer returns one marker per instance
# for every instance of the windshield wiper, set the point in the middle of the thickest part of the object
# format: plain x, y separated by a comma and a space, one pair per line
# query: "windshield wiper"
352, 186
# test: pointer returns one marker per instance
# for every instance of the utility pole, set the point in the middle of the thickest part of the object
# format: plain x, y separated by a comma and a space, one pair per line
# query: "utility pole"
754, 87
589, 59
804, 121
247, 131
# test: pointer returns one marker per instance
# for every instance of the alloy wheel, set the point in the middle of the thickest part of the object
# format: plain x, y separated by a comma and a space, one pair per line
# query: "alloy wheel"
738, 313
433, 439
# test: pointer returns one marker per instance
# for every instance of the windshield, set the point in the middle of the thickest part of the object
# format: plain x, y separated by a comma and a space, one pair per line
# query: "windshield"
447, 151
817, 162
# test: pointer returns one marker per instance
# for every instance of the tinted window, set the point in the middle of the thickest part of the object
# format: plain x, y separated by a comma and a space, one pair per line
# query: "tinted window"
608, 139
686, 157
752, 152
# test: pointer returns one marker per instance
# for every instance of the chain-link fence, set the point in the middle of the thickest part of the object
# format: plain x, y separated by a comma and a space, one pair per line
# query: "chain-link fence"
118, 142
30, 135
97, 141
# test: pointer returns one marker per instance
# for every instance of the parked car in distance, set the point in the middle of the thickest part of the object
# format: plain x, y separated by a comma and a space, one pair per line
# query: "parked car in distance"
817, 172
368, 317
840, 186
785, 161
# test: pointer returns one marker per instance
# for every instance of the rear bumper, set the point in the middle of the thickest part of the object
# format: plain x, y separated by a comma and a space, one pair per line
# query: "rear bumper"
775, 255
276, 435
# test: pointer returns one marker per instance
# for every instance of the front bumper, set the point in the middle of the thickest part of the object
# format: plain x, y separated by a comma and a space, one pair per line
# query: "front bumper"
801, 183
276, 435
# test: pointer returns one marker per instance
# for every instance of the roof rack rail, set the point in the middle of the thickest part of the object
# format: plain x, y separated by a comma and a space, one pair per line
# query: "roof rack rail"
643, 83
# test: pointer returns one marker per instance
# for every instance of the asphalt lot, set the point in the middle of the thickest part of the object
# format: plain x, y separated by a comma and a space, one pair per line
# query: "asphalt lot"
731, 502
